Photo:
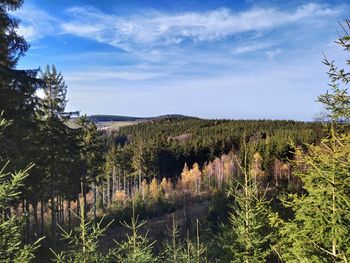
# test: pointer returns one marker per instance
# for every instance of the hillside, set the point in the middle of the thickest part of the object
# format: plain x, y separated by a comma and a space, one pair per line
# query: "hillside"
114, 122
107, 118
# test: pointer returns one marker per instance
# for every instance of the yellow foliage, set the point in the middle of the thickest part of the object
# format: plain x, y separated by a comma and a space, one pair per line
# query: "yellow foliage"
120, 196
191, 179
144, 189
167, 187
154, 189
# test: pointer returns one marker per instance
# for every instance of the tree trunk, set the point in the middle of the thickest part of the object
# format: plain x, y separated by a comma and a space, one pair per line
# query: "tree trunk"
103, 196
84, 197
69, 216
24, 227
62, 210
128, 187
27, 221
109, 190
95, 202
58, 220
124, 181
36, 221
58, 210
42, 231
53, 211
78, 206
113, 183
119, 182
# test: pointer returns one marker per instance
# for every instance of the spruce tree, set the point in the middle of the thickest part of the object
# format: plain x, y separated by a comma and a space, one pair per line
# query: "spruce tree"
92, 153
247, 236
60, 150
177, 250
18, 100
320, 228
137, 248
12, 248
84, 245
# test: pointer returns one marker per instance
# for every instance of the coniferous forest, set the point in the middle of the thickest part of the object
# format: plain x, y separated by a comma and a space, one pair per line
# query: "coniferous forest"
171, 189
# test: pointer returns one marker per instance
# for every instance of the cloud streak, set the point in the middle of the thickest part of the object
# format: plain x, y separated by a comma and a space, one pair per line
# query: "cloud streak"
159, 29
168, 29
36, 23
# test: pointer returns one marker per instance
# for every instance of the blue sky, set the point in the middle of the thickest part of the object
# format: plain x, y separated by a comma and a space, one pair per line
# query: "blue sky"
214, 59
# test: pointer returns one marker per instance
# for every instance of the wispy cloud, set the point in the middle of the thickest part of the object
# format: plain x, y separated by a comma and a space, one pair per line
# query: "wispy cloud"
36, 23
167, 29
273, 53
160, 29
250, 48
111, 75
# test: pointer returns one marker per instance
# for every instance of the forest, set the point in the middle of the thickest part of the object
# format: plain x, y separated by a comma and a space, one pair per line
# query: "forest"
169, 189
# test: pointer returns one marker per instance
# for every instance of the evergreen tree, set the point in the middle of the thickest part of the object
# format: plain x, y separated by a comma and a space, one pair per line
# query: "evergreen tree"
59, 158
247, 237
320, 229
11, 247
83, 247
92, 153
55, 90
137, 248
17, 90
187, 251
12, 45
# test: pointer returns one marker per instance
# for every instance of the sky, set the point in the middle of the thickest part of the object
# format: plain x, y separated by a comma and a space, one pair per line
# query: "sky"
233, 59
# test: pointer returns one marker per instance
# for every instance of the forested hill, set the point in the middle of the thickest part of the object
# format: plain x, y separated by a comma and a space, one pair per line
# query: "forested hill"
166, 144
106, 118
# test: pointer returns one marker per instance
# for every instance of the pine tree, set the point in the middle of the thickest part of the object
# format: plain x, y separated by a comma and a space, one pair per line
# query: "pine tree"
60, 150
137, 248
55, 90
184, 251
11, 247
92, 153
172, 251
320, 229
18, 100
247, 237
83, 246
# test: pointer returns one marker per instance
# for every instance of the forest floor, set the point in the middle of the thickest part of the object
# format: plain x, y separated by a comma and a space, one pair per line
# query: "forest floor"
158, 228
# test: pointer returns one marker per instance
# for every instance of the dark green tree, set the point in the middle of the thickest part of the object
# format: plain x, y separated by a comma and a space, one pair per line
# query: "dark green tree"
59, 155
92, 153
12, 249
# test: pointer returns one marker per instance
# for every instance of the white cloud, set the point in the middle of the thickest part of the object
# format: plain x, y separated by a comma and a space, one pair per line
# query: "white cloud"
35, 23
111, 75
156, 29
159, 29
250, 47
273, 53
28, 32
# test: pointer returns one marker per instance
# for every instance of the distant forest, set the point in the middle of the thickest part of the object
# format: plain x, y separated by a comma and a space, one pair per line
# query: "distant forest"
172, 142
